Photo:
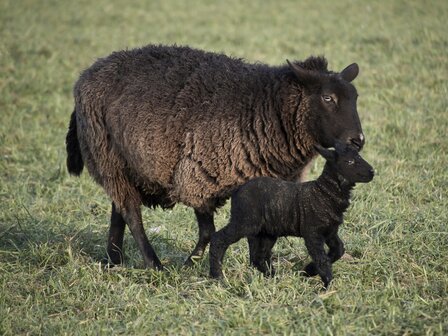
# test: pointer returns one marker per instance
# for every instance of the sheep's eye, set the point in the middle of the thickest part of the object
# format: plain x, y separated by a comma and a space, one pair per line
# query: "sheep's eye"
350, 162
327, 99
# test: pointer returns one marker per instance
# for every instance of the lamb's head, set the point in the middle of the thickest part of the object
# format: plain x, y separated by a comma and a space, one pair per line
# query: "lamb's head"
347, 163
332, 102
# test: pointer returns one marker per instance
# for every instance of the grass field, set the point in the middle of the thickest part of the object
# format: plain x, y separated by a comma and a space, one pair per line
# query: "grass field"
53, 227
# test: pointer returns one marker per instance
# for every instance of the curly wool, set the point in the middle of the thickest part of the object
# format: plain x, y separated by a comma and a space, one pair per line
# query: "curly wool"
167, 124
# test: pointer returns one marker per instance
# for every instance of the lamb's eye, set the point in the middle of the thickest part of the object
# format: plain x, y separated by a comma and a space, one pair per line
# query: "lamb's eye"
327, 99
350, 162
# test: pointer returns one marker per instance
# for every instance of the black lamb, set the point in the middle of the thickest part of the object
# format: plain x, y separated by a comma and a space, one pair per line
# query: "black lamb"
266, 208
164, 124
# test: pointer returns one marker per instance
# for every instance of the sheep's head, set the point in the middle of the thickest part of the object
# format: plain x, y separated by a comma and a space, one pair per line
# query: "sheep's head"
332, 102
347, 163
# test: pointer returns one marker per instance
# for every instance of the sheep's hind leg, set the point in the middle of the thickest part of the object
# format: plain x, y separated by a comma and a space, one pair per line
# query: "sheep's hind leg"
206, 229
133, 217
115, 240
260, 250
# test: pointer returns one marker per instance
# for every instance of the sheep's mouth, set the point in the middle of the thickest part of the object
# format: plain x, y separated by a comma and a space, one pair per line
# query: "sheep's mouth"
365, 178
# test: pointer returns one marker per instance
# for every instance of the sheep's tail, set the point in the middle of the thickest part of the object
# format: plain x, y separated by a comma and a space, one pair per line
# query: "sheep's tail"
75, 164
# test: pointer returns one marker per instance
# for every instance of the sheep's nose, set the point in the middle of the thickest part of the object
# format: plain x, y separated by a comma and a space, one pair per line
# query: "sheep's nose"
358, 142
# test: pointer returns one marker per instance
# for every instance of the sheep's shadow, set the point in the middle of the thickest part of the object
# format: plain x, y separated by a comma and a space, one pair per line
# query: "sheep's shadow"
29, 240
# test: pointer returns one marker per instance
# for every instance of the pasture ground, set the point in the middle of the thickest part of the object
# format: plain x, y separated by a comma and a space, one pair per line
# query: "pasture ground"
53, 227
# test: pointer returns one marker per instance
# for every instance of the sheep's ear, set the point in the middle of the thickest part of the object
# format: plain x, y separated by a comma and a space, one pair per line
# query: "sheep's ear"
327, 154
303, 75
350, 72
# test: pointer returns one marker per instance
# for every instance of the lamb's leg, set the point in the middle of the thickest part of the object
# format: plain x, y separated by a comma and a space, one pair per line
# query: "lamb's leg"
336, 246
260, 249
322, 263
254, 242
133, 217
206, 229
335, 253
219, 243
115, 240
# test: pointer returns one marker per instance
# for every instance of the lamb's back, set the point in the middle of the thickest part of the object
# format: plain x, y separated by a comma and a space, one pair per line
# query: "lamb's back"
270, 201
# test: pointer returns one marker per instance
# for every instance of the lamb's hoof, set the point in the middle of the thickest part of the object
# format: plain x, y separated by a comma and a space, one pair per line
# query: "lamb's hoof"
326, 279
326, 285
310, 270
270, 273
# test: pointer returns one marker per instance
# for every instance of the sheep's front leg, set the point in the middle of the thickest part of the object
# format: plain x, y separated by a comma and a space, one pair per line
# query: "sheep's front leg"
335, 252
336, 246
206, 229
219, 243
322, 263
115, 240
260, 250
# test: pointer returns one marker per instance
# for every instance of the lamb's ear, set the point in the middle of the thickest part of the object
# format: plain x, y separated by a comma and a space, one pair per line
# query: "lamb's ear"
350, 72
304, 76
327, 154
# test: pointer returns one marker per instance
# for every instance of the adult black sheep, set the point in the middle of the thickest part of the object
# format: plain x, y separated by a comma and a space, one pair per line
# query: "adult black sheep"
167, 124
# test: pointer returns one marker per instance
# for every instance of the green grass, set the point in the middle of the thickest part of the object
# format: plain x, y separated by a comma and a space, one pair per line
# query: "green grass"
53, 227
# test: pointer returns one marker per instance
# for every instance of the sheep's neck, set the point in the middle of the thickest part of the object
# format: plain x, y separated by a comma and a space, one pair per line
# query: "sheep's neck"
335, 189
281, 122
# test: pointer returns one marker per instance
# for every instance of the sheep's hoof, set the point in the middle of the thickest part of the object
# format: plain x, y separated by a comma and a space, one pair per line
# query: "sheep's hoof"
154, 266
191, 260
216, 275
268, 271
107, 262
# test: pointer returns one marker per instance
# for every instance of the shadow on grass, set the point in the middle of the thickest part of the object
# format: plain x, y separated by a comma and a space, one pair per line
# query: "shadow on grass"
35, 241
31, 240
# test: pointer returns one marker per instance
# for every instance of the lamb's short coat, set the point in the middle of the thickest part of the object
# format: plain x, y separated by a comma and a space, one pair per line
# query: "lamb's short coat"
265, 208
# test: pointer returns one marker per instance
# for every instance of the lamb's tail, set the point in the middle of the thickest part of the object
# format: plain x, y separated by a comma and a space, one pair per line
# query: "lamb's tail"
75, 164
